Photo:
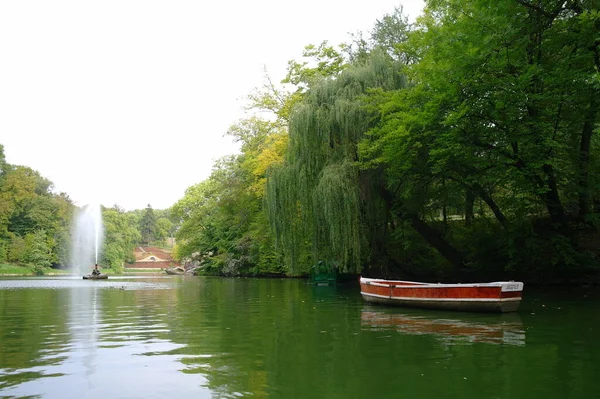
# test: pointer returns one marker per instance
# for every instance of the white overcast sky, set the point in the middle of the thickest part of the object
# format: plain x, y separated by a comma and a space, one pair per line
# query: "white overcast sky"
126, 102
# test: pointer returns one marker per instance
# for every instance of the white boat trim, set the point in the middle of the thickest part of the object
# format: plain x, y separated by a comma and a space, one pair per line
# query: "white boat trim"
506, 286
404, 298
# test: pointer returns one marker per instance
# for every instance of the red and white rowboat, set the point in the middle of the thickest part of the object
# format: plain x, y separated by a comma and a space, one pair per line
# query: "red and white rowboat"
500, 296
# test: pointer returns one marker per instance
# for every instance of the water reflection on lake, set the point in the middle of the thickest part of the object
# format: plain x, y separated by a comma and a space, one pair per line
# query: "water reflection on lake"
450, 327
68, 337
153, 337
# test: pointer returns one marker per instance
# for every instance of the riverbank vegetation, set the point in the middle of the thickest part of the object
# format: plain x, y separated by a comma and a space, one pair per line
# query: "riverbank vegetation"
460, 147
463, 146
35, 226
30, 270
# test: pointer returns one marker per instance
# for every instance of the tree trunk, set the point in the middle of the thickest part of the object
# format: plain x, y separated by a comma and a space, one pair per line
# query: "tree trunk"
439, 243
469, 205
584, 156
539, 23
428, 233
552, 201
493, 206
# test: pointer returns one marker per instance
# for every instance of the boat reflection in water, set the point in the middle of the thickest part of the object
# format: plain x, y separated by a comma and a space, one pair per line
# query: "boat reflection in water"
456, 328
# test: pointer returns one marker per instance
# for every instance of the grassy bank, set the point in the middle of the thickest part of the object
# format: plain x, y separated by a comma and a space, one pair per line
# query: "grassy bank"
14, 270
20, 270
144, 271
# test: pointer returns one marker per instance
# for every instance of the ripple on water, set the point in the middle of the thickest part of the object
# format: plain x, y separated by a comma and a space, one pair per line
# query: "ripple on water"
207, 338
72, 282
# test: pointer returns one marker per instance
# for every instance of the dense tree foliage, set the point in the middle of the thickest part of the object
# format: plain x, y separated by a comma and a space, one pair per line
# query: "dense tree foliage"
148, 225
469, 152
35, 224
314, 197
501, 110
224, 225
121, 237
34, 221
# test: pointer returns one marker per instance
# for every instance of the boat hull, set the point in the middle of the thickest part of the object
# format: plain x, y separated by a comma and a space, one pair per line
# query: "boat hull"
503, 296
95, 277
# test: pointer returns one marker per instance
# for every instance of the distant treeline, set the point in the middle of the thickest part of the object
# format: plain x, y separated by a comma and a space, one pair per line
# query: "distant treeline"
35, 223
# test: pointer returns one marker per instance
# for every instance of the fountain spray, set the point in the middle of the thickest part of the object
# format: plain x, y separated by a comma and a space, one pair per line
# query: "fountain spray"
87, 237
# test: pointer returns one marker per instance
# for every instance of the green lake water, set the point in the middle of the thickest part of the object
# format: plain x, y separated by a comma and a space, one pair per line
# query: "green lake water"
196, 337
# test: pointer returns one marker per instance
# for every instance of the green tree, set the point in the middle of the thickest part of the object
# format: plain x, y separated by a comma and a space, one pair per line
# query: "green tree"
28, 208
314, 197
3, 164
196, 211
148, 225
121, 237
390, 33
319, 62
223, 222
38, 252
164, 228
493, 114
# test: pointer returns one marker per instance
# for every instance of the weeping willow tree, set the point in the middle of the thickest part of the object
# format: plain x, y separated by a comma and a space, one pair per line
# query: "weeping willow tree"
316, 197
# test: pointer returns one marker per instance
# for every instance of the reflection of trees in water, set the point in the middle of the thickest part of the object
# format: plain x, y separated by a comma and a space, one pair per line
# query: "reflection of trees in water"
136, 313
283, 338
42, 329
262, 337
33, 334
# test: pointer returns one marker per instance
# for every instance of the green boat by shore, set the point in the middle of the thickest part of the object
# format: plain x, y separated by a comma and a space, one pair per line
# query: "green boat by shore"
323, 273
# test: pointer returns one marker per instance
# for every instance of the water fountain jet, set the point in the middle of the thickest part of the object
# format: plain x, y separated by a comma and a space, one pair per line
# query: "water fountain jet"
87, 238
